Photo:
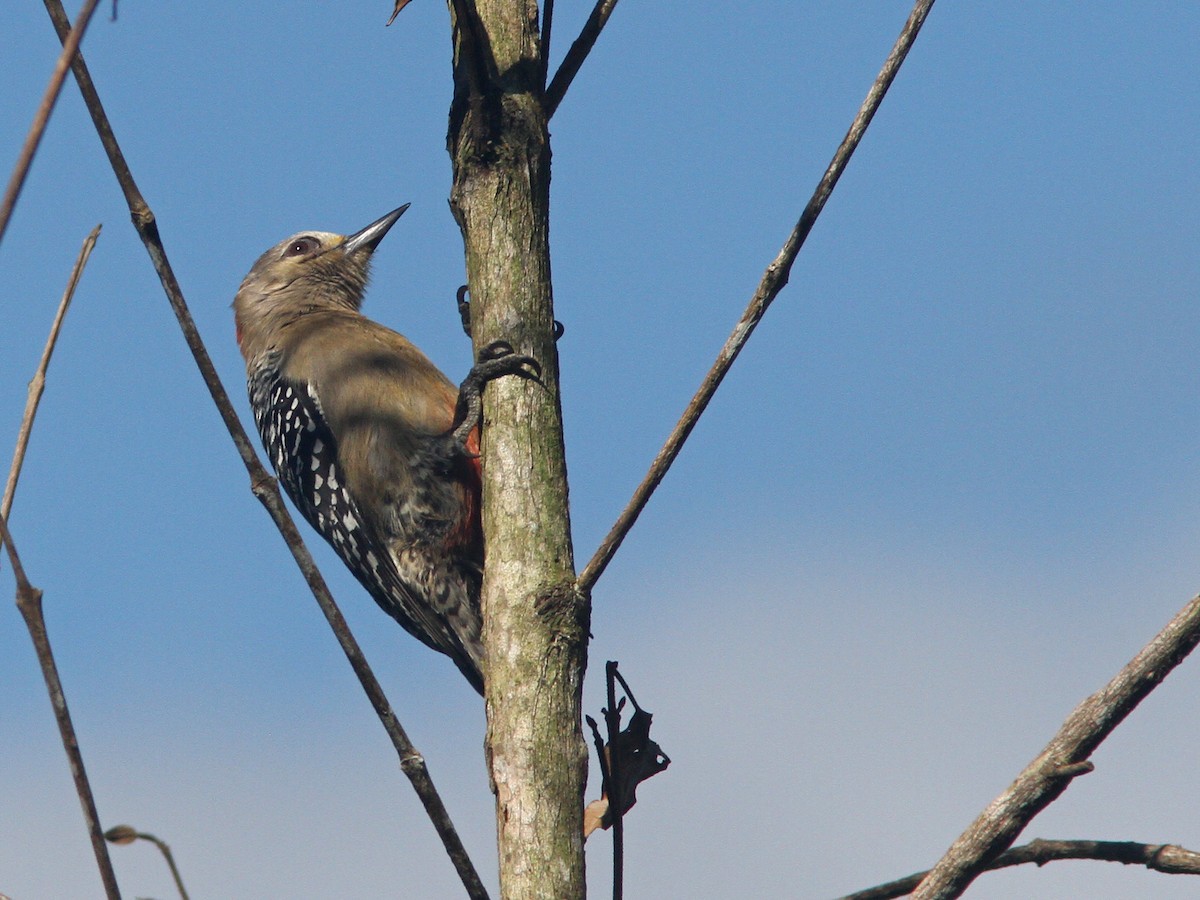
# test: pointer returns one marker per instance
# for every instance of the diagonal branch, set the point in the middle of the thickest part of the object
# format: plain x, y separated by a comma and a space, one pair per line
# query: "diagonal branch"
1065, 757
575, 57
1168, 858
773, 281
263, 485
42, 117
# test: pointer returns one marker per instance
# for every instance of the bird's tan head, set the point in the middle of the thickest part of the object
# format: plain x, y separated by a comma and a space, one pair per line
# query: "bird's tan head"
309, 271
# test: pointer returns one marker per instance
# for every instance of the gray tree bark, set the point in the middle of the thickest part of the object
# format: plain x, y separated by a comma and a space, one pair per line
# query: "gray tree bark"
535, 621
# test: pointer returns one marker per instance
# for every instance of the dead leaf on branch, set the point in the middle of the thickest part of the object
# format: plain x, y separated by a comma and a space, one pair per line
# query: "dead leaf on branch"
637, 758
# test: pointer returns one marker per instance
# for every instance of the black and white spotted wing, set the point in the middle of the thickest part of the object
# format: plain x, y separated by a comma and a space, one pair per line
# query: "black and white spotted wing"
303, 452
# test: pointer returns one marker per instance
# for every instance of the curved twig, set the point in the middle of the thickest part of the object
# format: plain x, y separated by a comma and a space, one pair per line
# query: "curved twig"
1169, 858
127, 834
773, 281
264, 486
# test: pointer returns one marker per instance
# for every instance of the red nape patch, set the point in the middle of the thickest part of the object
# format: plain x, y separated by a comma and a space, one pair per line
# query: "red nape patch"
238, 332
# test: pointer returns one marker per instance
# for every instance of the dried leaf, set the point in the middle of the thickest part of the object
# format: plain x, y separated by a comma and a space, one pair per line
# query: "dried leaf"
638, 758
593, 816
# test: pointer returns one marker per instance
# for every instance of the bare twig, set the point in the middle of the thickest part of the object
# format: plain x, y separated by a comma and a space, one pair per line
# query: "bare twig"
42, 117
29, 602
773, 281
612, 724
575, 57
127, 834
1044, 779
263, 485
38, 383
1168, 858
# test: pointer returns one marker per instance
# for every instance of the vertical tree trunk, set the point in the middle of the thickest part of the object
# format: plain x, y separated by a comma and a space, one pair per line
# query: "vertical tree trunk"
535, 623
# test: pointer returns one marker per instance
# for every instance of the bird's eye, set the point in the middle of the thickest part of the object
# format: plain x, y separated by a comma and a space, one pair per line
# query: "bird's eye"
302, 246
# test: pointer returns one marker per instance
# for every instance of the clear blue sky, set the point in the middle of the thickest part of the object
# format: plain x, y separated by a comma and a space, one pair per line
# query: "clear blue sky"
949, 489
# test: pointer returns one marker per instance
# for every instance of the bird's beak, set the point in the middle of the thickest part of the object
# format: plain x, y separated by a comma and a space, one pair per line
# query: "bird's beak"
370, 236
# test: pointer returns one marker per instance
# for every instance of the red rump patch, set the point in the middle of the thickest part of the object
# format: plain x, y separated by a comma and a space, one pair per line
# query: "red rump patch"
470, 530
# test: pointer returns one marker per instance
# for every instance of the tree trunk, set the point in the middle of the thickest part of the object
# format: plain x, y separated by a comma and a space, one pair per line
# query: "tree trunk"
535, 622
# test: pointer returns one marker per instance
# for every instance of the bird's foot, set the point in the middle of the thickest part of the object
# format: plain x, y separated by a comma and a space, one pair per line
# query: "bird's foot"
464, 313
495, 360
464, 309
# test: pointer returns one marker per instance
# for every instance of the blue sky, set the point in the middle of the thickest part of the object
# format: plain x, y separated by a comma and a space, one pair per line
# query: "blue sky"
948, 490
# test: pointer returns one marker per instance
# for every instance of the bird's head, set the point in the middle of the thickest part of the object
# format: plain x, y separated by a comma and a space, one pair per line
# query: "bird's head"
308, 271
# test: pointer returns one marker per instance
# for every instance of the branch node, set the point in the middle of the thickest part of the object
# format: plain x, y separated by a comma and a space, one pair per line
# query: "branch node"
263, 485
411, 763
1174, 860
29, 601
563, 608
1073, 770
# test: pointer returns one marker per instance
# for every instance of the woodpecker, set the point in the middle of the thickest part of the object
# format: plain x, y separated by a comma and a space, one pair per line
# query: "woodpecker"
374, 445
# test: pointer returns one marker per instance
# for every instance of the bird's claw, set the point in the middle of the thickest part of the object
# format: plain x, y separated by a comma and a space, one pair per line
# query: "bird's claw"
499, 358
464, 313
495, 360
464, 309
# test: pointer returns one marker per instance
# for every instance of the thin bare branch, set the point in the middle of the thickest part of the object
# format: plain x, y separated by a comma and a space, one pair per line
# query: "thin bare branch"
42, 117
575, 57
29, 598
773, 281
29, 602
263, 485
1044, 779
1168, 858
38, 383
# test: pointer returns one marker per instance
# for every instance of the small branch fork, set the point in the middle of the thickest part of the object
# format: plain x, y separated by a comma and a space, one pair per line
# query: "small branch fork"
264, 486
29, 598
773, 281
1168, 858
